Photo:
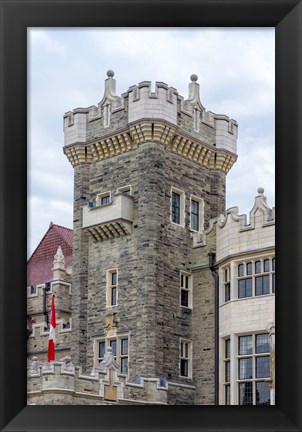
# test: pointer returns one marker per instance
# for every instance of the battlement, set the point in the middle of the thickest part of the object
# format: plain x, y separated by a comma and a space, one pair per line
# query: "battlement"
62, 383
118, 116
235, 234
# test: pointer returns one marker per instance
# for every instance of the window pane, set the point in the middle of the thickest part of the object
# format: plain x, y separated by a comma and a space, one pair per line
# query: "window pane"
187, 281
262, 343
227, 292
249, 287
245, 287
126, 192
124, 365
226, 275
249, 268
262, 285
266, 284
262, 393
182, 280
101, 349
186, 346
113, 346
246, 393
184, 367
124, 347
258, 267
245, 368
227, 395
175, 207
105, 199
113, 296
273, 264
262, 367
273, 283
227, 371
184, 298
227, 348
241, 270
245, 345
113, 278
266, 265
258, 285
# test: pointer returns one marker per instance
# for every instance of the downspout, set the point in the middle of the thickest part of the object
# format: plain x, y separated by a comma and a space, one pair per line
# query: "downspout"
212, 257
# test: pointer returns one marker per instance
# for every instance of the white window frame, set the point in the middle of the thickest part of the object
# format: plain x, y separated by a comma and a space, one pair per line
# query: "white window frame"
182, 206
121, 190
189, 358
254, 275
254, 356
109, 287
35, 294
226, 360
189, 289
200, 213
119, 355
102, 195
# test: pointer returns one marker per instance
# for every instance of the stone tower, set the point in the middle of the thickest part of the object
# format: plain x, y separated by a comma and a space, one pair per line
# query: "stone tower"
149, 173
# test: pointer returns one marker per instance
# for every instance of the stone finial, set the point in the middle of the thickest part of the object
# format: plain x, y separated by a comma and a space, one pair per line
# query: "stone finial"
260, 190
193, 100
59, 259
35, 365
110, 73
108, 360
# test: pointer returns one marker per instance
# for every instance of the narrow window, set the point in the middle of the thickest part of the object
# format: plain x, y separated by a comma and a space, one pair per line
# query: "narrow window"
227, 372
176, 207
241, 270
124, 356
195, 215
185, 289
227, 285
112, 284
185, 358
258, 267
33, 289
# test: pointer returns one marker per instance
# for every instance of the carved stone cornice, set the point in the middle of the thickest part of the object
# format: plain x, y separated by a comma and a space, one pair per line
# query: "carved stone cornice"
151, 131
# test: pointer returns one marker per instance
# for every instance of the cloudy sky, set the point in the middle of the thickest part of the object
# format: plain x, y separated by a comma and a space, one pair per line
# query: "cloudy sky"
67, 69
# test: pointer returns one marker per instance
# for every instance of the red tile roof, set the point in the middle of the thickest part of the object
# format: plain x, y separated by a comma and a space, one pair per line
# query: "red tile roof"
39, 265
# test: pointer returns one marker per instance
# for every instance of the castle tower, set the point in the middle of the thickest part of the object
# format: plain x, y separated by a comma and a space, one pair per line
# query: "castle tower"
149, 174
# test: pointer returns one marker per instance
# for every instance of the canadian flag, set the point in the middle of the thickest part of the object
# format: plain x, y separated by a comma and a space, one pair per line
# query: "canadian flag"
52, 331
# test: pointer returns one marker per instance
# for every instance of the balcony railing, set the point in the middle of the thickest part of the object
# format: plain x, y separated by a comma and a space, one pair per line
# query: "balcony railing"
110, 220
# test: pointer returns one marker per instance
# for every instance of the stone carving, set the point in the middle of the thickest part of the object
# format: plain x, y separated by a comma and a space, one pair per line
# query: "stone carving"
59, 259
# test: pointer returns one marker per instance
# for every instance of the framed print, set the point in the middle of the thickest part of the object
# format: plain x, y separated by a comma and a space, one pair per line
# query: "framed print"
17, 17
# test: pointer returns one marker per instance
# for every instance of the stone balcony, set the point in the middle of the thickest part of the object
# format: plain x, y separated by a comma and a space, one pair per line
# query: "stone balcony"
110, 220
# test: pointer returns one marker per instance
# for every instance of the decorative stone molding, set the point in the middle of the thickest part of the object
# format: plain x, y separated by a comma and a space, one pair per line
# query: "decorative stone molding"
149, 131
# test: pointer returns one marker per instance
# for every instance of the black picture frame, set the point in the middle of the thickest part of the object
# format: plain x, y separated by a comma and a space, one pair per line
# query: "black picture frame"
16, 16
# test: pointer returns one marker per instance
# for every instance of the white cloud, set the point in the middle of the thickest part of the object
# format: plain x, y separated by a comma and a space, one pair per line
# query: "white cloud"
67, 69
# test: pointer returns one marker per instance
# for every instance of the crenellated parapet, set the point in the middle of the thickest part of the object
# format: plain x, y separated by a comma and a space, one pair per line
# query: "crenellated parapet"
121, 123
236, 234
48, 382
